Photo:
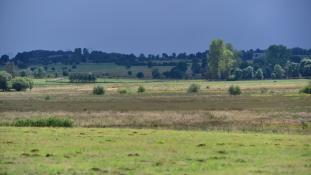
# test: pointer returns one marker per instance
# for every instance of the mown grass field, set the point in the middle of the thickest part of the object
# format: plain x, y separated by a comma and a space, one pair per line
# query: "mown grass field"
145, 151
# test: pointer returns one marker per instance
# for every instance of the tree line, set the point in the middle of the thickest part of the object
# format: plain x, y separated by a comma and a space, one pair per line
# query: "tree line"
221, 61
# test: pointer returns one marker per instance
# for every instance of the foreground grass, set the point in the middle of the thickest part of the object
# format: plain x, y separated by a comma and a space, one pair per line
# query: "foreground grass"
128, 151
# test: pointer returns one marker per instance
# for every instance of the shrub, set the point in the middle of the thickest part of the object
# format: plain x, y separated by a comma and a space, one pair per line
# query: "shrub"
48, 122
141, 89
304, 125
263, 90
193, 88
122, 91
306, 89
234, 90
21, 84
98, 90
47, 98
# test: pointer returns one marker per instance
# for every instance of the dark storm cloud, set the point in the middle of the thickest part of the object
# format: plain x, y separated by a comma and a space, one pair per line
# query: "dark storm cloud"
152, 26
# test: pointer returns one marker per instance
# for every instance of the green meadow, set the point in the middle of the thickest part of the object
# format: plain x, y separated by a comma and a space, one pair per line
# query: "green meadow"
149, 151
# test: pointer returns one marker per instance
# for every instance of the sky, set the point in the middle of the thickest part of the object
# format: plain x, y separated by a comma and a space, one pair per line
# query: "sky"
152, 26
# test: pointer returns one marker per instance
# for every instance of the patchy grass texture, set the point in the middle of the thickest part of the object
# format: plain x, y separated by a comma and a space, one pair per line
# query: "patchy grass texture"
129, 151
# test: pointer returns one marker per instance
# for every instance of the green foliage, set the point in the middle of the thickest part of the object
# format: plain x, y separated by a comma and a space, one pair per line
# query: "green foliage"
277, 54
65, 73
305, 67
292, 69
193, 88
259, 74
238, 74
39, 72
82, 78
156, 74
4, 80
47, 97
263, 90
141, 89
304, 125
278, 71
195, 66
48, 122
122, 91
140, 75
248, 73
177, 72
21, 83
221, 59
234, 90
98, 90
306, 89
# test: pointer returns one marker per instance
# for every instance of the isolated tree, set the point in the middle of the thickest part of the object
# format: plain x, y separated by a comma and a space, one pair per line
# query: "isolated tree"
221, 59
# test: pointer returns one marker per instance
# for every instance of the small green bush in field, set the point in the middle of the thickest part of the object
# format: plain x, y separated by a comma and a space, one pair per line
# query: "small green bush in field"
306, 89
98, 90
48, 122
193, 88
234, 90
141, 89
122, 91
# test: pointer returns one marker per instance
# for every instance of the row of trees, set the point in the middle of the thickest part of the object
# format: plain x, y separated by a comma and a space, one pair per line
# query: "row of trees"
82, 78
45, 57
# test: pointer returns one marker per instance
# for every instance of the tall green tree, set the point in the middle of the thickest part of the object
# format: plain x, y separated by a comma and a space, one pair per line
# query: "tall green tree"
221, 59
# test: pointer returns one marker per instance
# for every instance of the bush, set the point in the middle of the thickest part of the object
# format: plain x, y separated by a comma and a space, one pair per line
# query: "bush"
263, 90
21, 84
193, 88
234, 90
48, 122
306, 89
141, 89
98, 90
47, 98
122, 91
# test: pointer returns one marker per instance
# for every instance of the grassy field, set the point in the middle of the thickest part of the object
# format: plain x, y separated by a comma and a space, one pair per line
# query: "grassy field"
145, 151
265, 130
165, 104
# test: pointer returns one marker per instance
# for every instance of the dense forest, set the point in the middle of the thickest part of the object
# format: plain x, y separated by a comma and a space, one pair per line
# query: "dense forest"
220, 61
